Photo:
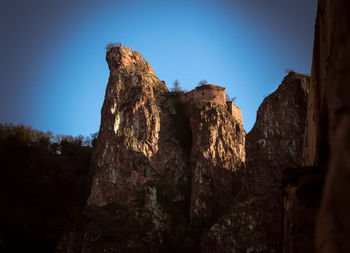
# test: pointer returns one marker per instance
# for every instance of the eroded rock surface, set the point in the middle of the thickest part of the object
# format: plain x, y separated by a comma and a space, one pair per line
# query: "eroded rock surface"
217, 156
166, 163
254, 222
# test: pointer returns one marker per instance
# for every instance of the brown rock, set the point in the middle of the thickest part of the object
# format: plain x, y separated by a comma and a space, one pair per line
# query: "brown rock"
254, 222
129, 131
302, 190
217, 156
328, 129
135, 150
165, 163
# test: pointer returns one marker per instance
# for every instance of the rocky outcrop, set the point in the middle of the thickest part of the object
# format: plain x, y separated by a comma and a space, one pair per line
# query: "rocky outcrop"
166, 163
170, 170
302, 191
130, 129
254, 222
129, 152
328, 128
216, 158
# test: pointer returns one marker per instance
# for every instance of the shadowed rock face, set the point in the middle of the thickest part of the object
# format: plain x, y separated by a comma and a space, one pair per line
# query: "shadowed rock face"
328, 128
302, 191
254, 222
165, 168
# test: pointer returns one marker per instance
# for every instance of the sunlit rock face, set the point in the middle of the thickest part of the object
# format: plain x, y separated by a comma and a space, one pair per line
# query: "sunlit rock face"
134, 147
129, 137
166, 163
217, 156
254, 222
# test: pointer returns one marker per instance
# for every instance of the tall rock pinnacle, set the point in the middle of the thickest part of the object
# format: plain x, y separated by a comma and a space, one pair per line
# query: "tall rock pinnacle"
129, 131
166, 163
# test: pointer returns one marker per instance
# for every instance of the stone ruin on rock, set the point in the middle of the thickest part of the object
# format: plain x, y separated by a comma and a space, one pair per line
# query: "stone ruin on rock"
254, 222
207, 92
170, 167
171, 171
214, 94
166, 164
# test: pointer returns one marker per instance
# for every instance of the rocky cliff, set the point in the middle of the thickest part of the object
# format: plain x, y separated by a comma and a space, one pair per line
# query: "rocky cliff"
328, 129
172, 171
166, 163
302, 191
254, 222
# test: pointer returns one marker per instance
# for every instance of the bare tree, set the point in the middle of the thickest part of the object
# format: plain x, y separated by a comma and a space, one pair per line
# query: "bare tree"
288, 70
203, 82
176, 86
228, 98
118, 44
110, 46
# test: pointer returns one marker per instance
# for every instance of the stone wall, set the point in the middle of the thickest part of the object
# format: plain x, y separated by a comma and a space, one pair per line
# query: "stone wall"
234, 111
213, 93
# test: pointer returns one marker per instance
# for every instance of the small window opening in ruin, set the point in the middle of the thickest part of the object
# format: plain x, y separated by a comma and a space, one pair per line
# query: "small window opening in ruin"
238, 128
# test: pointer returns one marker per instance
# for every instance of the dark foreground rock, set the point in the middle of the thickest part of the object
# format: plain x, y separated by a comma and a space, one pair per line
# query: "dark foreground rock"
328, 126
302, 192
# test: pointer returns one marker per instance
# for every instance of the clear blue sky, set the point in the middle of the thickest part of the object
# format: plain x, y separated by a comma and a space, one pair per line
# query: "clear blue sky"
53, 72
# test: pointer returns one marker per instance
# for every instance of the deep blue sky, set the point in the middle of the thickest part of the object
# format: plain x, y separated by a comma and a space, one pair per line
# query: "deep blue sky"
53, 72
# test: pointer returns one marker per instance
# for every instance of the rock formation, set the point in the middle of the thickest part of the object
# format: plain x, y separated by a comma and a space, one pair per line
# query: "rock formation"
254, 222
217, 152
328, 125
302, 191
174, 173
166, 163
